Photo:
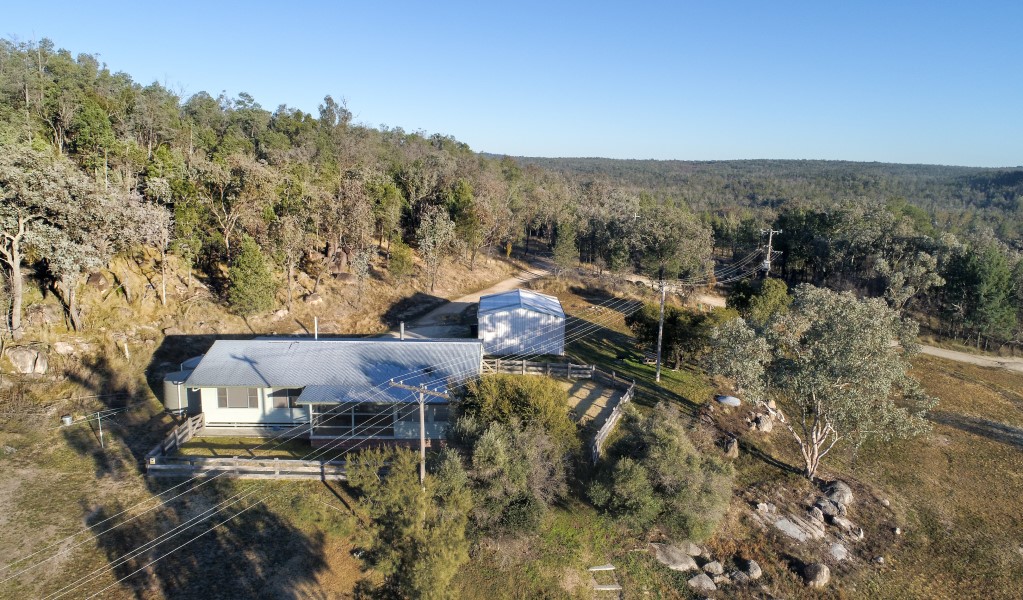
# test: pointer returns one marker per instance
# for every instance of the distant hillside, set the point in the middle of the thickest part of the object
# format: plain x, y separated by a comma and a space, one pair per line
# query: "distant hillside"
774, 183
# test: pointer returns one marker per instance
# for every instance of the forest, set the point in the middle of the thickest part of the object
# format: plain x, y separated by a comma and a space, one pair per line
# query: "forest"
94, 164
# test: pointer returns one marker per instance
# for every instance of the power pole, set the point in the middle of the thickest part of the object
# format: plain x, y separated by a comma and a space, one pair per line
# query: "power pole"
660, 327
766, 266
422, 392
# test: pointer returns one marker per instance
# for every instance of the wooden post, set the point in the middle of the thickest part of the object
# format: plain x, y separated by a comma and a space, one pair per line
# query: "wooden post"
522, 367
100, 415
422, 440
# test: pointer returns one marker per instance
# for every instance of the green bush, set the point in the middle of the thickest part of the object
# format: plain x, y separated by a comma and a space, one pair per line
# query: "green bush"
536, 401
660, 478
252, 286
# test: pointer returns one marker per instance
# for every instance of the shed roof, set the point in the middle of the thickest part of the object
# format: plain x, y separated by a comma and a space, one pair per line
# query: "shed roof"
338, 370
518, 298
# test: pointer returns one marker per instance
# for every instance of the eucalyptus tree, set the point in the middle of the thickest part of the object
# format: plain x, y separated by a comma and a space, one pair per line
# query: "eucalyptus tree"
836, 365
434, 236
38, 192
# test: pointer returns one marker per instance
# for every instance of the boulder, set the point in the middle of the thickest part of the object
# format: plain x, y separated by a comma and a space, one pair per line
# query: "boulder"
800, 529
817, 575
842, 523
38, 315
280, 314
838, 551
691, 549
753, 570
827, 507
739, 578
63, 348
721, 579
714, 568
839, 492
313, 299
702, 583
732, 448
98, 281
28, 360
764, 423
816, 514
673, 558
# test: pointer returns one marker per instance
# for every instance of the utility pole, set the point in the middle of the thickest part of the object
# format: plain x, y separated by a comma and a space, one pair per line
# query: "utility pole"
766, 266
660, 327
422, 392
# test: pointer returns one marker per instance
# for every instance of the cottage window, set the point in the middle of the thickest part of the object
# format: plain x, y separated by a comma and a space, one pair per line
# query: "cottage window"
238, 397
285, 397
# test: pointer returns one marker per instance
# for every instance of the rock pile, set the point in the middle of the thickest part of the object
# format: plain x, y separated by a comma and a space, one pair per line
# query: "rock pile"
683, 557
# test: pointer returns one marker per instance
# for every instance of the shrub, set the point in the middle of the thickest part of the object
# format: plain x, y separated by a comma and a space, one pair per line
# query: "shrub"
536, 401
661, 478
252, 287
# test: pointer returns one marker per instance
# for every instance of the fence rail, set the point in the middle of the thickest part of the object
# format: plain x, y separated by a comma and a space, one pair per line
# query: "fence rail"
245, 468
160, 461
178, 436
525, 367
611, 379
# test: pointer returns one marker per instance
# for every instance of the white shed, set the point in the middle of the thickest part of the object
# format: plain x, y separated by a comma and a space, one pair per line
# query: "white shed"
521, 322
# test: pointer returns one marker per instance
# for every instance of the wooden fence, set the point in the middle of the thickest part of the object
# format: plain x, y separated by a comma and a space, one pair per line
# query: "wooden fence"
612, 380
179, 435
161, 463
525, 367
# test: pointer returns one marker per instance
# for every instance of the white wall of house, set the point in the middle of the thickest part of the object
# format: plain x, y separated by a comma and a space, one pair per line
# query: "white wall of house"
265, 414
521, 331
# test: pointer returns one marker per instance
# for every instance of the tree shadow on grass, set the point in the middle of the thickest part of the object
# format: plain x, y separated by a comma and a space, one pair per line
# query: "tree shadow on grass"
993, 430
252, 553
410, 308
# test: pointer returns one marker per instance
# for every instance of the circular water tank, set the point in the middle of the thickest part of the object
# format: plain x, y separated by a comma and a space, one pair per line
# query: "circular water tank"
728, 400
175, 396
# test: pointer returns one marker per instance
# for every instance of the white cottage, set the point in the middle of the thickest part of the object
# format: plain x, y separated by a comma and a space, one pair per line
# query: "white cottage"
331, 387
521, 322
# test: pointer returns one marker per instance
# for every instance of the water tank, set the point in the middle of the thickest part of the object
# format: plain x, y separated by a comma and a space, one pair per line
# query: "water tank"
175, 394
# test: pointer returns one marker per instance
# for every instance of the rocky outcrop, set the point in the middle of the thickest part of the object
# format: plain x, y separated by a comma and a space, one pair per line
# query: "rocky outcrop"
702, 583
840, 493
817, 575
28, 360
673, 558
714, 568
753, 570
838, 551
732, 448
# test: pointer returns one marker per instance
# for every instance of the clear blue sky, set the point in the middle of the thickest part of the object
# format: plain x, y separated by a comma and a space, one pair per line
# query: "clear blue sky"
910, 82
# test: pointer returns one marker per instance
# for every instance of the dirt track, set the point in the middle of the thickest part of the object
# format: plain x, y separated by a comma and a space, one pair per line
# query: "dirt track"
1012, 364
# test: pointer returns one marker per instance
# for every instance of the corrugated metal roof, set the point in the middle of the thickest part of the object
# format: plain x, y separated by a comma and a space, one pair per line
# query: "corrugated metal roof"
527, 299
338, 370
